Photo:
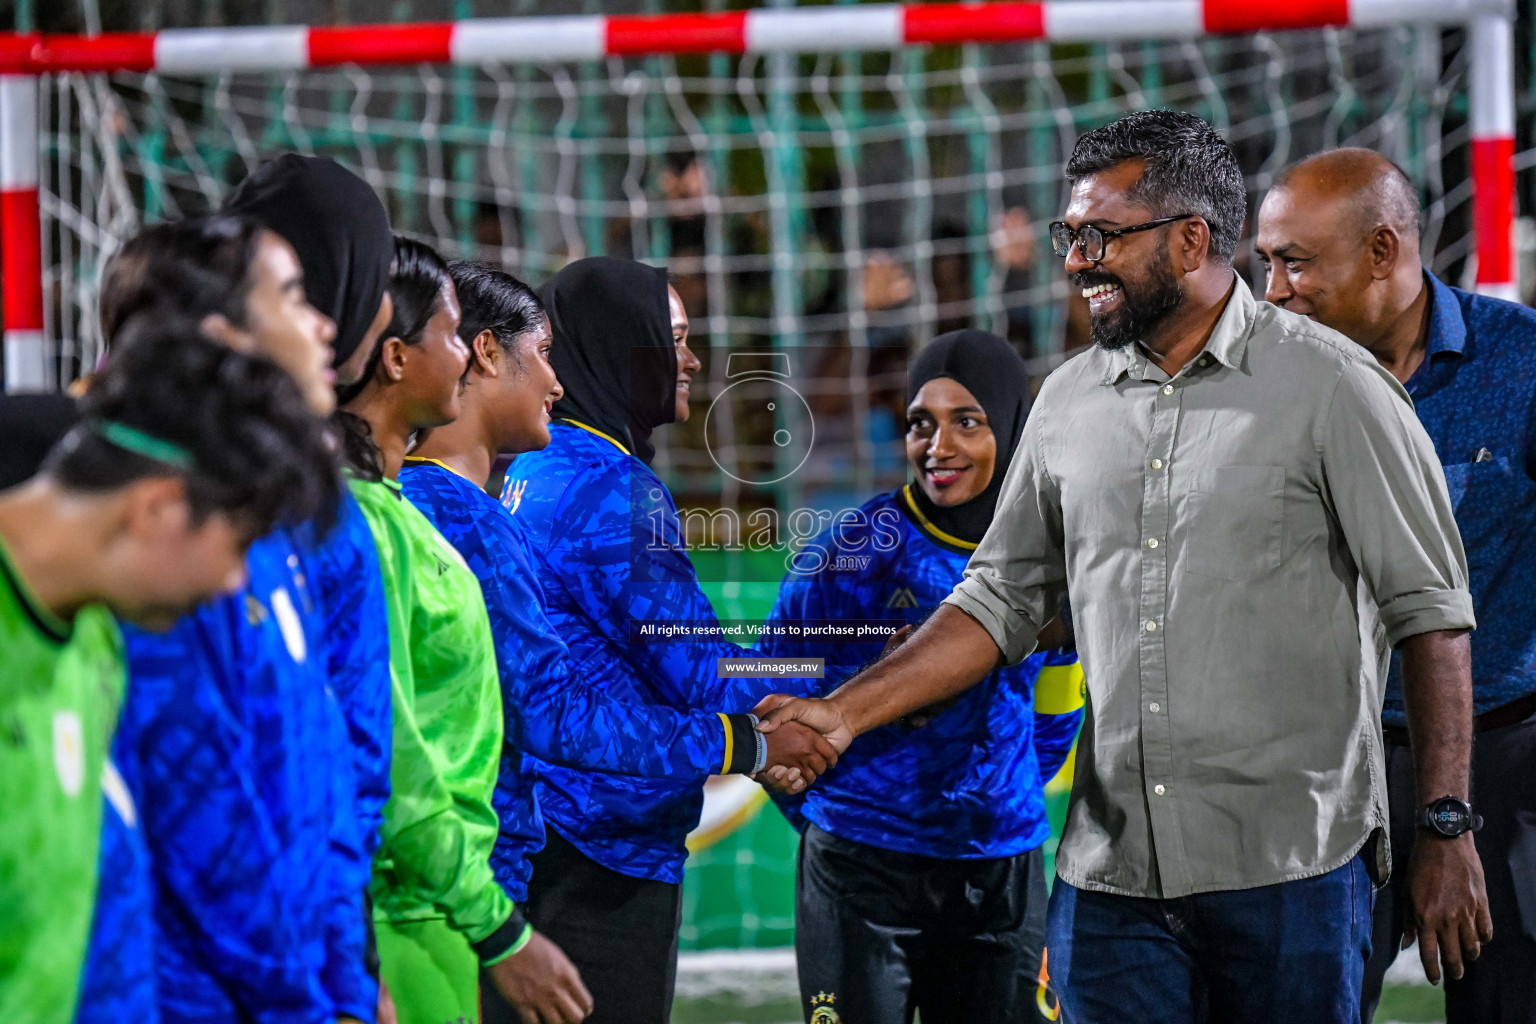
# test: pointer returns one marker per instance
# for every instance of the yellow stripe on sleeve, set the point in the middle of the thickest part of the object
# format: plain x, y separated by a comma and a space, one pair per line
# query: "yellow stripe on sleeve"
730, 743
1060, 689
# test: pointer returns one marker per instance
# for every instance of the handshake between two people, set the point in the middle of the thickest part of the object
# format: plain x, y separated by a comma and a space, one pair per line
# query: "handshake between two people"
922, 672
805, 735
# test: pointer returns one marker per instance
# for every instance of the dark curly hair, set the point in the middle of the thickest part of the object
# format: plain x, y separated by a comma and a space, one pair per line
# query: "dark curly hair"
259, 455
1188, 166
197, 266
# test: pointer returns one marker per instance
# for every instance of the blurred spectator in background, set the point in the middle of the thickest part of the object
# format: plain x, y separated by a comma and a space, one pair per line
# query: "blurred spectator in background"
1013, 253
684, 182
890, 284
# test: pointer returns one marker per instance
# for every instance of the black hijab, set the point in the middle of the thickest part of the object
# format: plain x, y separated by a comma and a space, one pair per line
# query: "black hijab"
338, 227
613, 348
989, 368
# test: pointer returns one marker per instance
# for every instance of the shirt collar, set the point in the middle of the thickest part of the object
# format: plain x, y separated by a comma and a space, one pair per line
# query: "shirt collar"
1227, 345
1447, 329
593, 430
42, 619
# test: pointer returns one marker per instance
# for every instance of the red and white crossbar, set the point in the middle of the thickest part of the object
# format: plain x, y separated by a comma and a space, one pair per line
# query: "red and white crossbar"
779, 30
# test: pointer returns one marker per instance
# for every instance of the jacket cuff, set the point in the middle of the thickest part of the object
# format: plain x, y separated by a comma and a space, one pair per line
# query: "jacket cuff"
512, 936
741, 744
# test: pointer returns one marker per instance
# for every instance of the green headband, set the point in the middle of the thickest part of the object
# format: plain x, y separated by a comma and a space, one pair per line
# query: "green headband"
134, 440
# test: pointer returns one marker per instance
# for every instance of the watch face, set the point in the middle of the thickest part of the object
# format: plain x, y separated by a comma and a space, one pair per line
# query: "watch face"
1449, 817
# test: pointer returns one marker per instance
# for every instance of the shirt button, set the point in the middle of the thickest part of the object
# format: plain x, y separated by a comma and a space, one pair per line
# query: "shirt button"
1157, 463
1205, 360
1154, 707
1167, 389
1151, 625
1159, 789
1152, 543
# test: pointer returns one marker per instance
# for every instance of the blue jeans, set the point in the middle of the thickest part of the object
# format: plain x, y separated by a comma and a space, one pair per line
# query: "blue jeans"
1279, 954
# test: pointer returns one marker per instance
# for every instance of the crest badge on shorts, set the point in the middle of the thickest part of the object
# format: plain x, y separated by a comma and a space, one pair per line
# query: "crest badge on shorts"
69, 751
823, 1009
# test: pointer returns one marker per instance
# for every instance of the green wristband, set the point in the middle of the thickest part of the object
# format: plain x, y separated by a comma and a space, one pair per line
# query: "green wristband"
512, 950
512, 935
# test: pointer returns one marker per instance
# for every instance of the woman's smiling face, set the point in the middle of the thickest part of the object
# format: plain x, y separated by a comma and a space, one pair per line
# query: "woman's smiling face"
950, 444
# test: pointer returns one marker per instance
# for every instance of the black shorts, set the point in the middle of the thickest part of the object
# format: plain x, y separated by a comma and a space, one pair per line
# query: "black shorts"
879, 935
620, 932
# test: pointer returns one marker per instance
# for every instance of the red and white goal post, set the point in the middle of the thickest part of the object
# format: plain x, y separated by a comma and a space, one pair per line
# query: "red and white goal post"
25, 59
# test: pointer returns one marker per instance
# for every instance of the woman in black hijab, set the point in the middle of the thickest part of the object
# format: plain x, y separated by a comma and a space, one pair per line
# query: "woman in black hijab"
600, 526
618, 352
339, 228
987, 368
341, 234
921, 880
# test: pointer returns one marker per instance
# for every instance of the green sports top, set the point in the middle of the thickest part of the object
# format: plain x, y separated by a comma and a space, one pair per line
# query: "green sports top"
439, 823
61, 685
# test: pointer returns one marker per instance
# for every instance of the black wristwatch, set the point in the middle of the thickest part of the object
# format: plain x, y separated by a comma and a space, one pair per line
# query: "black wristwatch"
1448, 817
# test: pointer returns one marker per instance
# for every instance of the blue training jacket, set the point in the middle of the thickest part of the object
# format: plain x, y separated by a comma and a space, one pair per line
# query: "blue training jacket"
588, 512
343, 572
553, 711
239, 751
969, 783
118, 982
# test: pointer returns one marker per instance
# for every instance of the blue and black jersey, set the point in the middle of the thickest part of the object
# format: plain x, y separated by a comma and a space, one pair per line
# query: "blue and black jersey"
553, 711
343, 573
969, 783
596, 521
118, 983
237, 749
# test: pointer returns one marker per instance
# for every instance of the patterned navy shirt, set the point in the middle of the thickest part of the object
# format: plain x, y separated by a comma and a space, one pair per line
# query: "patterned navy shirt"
229, 742
1475, 393
118, 983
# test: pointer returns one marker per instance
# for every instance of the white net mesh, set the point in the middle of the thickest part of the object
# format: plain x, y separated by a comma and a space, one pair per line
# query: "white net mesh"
860, 200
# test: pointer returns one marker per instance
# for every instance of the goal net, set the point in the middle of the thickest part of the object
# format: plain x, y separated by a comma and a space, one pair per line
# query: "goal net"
837, 192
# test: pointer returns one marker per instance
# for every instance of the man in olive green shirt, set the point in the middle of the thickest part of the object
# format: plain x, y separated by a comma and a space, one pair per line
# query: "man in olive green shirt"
1242, 506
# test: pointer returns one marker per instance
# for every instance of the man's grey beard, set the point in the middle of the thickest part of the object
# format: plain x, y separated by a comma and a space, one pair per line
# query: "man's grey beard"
1140, 311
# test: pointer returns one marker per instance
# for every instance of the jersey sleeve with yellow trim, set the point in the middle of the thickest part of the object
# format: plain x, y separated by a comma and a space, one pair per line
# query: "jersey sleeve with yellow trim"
1060, 694
553, 709
598, 525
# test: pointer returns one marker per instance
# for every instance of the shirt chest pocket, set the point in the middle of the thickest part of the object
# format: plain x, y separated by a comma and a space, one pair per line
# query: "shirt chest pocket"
1488, 499
1474, 486
1234, 521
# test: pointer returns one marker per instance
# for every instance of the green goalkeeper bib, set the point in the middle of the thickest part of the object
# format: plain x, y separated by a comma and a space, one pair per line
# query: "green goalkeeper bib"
439, 824
60, 688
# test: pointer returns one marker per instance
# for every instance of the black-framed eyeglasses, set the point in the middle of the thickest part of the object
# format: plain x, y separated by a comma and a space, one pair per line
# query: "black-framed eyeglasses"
1091, 240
